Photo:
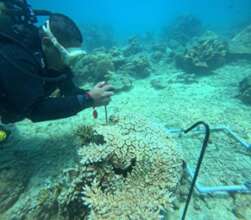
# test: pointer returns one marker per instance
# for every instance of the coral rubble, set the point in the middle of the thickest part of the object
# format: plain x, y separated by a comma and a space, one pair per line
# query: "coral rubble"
204, 54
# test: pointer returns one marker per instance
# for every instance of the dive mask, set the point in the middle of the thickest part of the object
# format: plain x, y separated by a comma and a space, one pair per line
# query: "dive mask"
68, 54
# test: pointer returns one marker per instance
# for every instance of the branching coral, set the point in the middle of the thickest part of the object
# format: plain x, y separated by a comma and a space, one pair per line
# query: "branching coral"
88, 135
137, 171
132, 173
204, 55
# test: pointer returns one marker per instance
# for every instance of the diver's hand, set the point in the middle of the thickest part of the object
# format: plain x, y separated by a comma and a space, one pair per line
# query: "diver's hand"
101, 94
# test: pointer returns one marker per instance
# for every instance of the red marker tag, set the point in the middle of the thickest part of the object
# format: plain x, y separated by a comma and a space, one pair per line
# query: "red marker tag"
95, 114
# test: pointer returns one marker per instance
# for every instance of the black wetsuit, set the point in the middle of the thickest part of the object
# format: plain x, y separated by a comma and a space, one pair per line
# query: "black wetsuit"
25, 87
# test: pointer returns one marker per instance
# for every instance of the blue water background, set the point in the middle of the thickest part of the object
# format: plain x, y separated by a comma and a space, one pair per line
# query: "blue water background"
129, 17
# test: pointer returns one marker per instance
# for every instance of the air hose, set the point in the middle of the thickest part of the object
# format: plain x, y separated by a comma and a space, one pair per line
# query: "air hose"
198, 166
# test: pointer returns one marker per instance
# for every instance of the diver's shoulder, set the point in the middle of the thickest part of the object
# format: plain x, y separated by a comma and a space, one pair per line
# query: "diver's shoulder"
12, 52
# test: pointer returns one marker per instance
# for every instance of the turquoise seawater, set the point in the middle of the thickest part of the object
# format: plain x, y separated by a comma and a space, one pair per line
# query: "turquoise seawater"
172, 64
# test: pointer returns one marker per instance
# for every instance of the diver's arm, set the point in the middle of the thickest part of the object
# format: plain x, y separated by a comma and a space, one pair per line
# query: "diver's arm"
57, 108
68, 88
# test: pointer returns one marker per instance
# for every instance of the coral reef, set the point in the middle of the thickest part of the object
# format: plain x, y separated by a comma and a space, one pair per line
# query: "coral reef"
134, 47
93, 67
88, 135
110, 66
116, 65
204, 54
161, 52
138, 66
241, 43
118, 58
120, 81
183, 29
245, 90
132, 173
138, 171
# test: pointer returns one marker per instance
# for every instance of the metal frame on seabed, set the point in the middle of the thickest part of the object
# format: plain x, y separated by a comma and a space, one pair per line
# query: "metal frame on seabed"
244, 188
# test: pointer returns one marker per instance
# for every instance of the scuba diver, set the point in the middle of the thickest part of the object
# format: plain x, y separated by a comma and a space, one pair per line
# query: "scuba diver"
34, 63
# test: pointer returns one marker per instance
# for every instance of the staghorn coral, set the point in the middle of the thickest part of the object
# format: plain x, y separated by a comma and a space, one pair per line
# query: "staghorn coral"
143, 171
205, 54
